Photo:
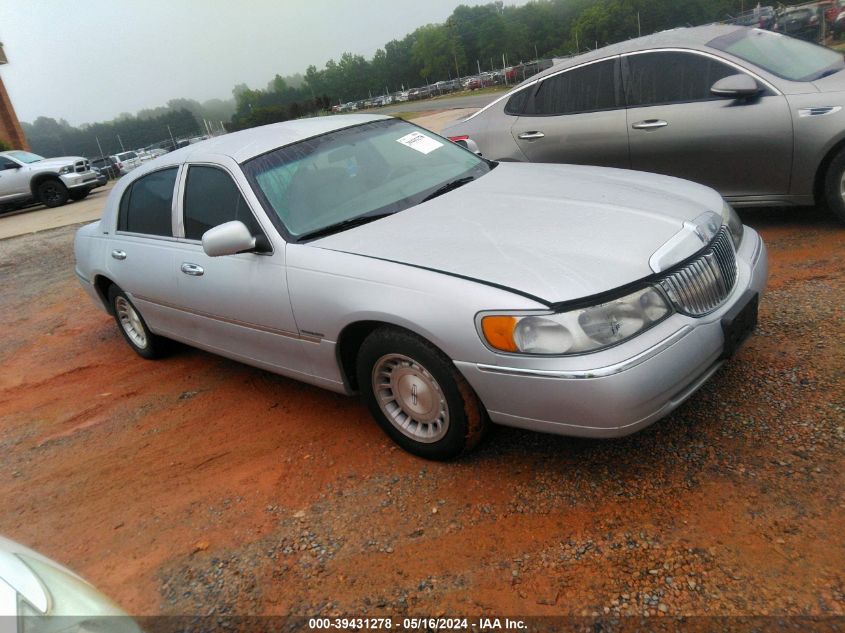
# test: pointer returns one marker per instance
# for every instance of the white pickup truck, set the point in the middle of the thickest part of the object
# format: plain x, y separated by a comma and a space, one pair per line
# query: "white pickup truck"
25, 176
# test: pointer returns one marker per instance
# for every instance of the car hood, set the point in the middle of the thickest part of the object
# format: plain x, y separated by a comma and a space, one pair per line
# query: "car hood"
56, 163
556, 232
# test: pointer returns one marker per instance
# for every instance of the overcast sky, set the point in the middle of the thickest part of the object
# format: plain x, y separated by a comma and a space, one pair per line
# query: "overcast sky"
90, 60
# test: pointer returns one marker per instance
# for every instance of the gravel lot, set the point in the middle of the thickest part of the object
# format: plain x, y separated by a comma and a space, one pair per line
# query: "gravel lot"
196, 485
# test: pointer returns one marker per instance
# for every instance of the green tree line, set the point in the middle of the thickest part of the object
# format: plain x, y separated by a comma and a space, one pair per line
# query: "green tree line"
472, 38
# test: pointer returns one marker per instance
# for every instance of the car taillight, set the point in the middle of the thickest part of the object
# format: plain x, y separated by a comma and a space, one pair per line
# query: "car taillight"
120, 165
455, 139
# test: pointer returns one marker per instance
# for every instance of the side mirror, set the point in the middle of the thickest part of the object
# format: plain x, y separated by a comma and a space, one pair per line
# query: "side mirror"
227, 239
735, 87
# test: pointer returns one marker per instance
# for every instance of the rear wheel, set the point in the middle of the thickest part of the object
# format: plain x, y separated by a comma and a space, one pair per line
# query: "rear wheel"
834, 186
79, 195
52, 193
133, 328
417, 396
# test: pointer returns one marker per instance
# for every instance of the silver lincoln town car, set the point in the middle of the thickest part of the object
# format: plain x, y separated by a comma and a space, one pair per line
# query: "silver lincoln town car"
366, 255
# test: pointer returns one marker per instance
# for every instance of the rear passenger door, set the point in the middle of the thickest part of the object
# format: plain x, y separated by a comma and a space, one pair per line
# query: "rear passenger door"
740, 147
142, 250
575, 116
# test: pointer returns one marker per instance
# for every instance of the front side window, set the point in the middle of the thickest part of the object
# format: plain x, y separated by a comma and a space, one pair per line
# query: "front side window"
146, 205
586, 89
666, 77
357, 174
211, 199
781, 55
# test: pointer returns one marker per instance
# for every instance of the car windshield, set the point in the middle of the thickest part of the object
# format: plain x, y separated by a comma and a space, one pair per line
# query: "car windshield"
781, 55
357, 173
24, 157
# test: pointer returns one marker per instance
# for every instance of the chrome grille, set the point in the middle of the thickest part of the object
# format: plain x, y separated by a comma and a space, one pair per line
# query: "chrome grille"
701, 285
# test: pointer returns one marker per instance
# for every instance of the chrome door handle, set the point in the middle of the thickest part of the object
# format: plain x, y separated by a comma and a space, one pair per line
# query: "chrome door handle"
650, 124
530, 135
192, 269
118, 254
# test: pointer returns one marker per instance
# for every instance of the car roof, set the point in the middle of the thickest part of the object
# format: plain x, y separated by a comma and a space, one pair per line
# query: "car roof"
686, 37
246, 144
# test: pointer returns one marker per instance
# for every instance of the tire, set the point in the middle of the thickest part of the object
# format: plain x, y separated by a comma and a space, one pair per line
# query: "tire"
445, 417
834, 186
133, 327
79, 195
52, 193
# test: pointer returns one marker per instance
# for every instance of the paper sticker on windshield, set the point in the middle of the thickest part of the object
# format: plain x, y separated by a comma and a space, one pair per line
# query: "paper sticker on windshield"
420, 142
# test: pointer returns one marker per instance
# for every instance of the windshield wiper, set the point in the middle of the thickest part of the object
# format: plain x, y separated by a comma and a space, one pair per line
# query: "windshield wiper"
449, 186
337, 227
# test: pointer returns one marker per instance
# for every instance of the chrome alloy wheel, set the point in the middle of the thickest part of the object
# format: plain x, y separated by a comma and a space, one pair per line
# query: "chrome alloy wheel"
130, 321
410, 398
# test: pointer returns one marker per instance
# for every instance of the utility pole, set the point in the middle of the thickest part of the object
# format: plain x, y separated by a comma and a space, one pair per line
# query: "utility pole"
457, 70
536, 56
478, 63
577, 48
171, 137
504, 69
122, 149
639, 29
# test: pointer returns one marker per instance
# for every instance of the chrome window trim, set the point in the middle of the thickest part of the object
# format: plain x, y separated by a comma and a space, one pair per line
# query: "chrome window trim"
600, 372
695, 51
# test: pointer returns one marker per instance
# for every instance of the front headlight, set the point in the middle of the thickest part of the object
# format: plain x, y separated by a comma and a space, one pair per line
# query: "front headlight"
734, 224
66, 170
576, 331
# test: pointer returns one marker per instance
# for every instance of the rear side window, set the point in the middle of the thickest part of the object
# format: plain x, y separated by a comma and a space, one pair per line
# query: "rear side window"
516, 104
672, 77
586, 89
146, 204
211, 199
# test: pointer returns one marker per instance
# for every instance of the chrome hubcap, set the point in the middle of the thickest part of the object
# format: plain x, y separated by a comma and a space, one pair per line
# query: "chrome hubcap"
130, 322
842, 187
410, 398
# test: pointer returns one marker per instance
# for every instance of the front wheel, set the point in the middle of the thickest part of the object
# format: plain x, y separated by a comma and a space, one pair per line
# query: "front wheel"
79, 195
52, 193
834, 186
417, 396
133, 327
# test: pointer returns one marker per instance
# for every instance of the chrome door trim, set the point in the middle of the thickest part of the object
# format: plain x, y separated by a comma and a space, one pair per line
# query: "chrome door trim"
600, 372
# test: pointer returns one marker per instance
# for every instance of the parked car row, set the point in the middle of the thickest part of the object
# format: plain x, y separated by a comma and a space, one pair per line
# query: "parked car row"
810, 21
512, 74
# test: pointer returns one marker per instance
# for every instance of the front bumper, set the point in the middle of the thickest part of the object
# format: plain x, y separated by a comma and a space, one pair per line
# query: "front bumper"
85, 180
622, 390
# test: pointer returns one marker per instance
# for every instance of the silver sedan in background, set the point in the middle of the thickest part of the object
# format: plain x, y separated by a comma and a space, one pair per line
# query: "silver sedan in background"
754, 114
366, 255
